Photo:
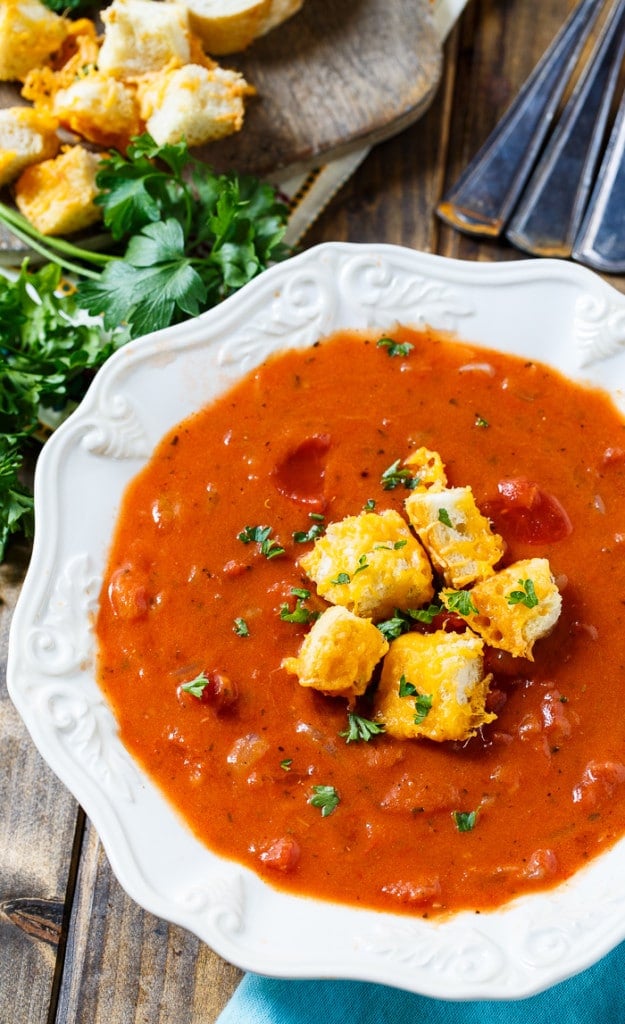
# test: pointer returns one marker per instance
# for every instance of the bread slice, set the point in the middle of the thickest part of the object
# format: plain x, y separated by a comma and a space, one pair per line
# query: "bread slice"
227, 26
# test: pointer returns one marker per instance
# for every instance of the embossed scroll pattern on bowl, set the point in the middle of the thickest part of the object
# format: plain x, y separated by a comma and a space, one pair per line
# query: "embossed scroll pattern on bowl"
547, 310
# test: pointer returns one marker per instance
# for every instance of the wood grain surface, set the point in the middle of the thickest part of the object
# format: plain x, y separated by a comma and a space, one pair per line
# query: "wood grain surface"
73, 947
333, 77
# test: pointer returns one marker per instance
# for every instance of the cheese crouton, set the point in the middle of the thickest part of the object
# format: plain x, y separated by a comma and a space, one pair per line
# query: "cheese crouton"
516, 607
26, 137
371, 564
194, 103
57, 195
428, 469
339, 654
100, 108
433, 686
457, 537
29, 33
143, 36
75, 59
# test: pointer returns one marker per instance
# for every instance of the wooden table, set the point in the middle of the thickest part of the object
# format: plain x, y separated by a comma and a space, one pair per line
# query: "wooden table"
73, 946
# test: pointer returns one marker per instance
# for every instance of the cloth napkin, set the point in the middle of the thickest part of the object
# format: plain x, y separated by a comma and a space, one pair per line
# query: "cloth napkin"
597, 996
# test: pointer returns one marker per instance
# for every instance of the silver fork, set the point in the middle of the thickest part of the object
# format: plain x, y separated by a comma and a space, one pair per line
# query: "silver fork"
540, 179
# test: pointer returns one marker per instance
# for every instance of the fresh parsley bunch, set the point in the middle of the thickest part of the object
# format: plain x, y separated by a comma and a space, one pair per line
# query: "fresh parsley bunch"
46, 361
182, 239
192, 236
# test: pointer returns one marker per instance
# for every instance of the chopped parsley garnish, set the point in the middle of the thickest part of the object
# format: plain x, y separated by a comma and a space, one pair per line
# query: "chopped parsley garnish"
325, 797
406, 689
317, 529
196, 686
286, 764
526, 596
300, 613
402, 620
344, 577
359, 728
423, 701
426, 615
261, 535
460, 601
480, 421
443, 517
392, 628
464, 820
423, 706
391, 546
241, 627
393, 477
395, 348
369, 505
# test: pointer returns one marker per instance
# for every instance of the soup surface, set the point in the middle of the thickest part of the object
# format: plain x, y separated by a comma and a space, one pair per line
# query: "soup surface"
255, 763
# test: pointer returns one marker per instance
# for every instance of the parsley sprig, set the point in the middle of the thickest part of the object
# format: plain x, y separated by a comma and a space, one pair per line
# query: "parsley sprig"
261, 535
526, 595
359, 728
394, 476
47, 359
326, 798
183, 237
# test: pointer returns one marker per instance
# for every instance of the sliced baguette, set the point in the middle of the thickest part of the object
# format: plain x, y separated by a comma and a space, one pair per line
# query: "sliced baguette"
228, 26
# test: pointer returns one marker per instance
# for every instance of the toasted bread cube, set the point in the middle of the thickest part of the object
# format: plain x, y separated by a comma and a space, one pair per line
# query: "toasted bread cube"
143, 36
194, 103
99, 108
339, 654
433, 686
457, 537
428, 470
371, 564
29, 33
516, 607
26, 137
57, 195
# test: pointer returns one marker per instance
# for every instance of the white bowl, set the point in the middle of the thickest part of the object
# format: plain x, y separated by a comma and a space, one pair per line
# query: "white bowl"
556, 312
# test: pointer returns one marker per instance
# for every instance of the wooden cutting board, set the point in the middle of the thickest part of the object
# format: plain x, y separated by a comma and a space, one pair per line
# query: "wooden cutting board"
339, 75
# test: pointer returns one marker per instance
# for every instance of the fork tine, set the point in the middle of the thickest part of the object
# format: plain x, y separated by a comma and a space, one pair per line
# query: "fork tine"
601, 241
484, 195
550, 211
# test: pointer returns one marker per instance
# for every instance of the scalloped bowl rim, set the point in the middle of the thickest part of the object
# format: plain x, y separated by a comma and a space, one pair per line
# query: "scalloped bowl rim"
142, 391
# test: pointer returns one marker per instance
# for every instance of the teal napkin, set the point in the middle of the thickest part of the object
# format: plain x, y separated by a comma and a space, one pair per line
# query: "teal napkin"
597, 996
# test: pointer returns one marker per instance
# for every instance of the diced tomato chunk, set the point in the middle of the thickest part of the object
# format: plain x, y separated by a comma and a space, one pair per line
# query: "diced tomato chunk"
527, 514
128, 593
282, 855
414, 893
598, 783
300, 476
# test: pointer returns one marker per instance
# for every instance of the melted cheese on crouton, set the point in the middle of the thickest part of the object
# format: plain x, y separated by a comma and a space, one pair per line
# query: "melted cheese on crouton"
57, 196
428, 470
371, 564
195, 103
433, 685
516, 607
100, 108
339, 654
29, 33
457, 537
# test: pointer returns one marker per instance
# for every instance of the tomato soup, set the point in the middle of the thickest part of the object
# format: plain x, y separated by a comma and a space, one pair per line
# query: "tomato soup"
202, 599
